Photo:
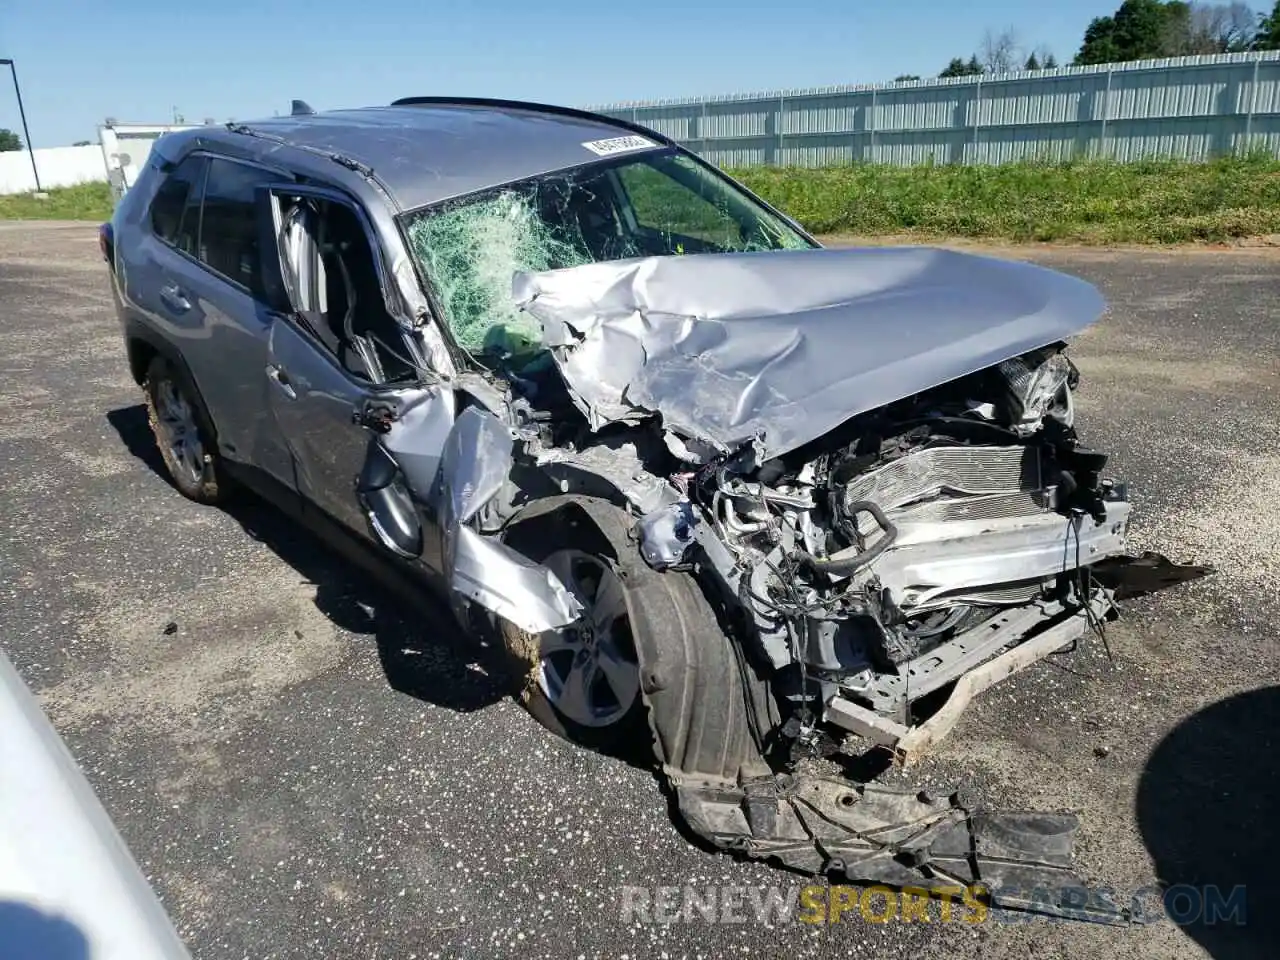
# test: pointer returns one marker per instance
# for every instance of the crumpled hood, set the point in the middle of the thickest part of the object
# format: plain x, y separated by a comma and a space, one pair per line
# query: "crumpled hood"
782, 347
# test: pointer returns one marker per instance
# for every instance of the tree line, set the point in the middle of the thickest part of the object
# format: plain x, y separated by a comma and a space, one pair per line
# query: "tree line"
1138, 30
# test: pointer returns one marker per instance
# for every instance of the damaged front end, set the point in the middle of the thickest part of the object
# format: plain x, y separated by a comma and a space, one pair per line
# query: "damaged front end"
897, 513
867, 461
876, 451
885, 563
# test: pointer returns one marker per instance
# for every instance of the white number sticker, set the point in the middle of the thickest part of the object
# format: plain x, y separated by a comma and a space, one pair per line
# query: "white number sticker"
606, 148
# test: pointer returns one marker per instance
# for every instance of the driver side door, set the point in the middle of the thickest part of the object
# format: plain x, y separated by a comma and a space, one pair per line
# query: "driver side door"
321, 406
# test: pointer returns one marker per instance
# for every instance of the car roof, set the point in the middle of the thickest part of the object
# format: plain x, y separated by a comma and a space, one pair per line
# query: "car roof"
427, 150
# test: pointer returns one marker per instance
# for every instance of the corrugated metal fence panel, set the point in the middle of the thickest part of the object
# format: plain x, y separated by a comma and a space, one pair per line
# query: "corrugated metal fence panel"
1188, 107
936, 108
1267, 99
842, 113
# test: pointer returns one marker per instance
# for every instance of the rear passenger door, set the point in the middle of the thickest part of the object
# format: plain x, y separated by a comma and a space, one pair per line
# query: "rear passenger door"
205, 293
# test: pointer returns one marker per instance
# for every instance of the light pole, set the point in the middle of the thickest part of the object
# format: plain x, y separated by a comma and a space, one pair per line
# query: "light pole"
26, 134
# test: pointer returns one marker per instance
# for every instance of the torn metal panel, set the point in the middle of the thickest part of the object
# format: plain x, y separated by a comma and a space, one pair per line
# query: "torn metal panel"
497, 578
618, 464
475, 466
786, 345
485, 392
477, 460
423, 419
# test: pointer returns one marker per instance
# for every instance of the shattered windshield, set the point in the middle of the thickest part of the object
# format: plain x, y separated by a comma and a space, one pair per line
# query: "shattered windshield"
655, 204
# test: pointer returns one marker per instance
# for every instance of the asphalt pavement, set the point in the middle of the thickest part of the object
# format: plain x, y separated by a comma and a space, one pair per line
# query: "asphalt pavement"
304, 768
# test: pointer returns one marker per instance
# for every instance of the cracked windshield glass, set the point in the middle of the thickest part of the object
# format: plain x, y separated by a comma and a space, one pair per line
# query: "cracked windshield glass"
657, 204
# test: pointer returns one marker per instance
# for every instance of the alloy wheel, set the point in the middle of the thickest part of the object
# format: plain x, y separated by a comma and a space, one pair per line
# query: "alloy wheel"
589, 670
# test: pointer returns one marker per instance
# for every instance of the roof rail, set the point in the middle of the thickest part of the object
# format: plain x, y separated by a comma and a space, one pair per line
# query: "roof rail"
533, 108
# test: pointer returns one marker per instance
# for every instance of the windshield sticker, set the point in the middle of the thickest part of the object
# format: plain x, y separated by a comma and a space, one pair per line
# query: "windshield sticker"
607, 148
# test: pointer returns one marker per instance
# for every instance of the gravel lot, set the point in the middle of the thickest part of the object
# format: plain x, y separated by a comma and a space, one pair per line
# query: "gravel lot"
299, 779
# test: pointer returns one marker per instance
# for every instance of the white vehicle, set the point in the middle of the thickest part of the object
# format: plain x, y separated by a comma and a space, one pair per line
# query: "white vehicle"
68, 886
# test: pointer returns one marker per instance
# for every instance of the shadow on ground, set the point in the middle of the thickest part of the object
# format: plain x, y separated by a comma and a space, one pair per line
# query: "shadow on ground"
1206, 807
419, 644
27, 933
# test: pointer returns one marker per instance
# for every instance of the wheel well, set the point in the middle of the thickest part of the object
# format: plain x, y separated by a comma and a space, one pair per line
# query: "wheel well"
542, 518
709, 712
141, 353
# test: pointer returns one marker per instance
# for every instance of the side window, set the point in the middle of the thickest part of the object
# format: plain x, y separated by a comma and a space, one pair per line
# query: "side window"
175, 210
338, 291
229, 226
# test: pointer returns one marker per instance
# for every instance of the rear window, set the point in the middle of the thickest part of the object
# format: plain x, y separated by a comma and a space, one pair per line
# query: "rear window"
175, 211
229, 224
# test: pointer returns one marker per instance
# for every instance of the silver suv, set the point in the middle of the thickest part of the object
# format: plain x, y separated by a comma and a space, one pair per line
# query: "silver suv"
716, 491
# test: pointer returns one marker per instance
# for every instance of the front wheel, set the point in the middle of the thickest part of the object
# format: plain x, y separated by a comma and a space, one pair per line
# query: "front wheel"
588, 670
582, 681
698, 704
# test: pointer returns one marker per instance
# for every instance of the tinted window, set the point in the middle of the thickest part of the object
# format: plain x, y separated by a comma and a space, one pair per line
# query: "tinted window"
175, 211
229, 226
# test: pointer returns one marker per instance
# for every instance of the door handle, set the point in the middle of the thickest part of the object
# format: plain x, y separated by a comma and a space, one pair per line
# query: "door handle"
281, 379
173, 298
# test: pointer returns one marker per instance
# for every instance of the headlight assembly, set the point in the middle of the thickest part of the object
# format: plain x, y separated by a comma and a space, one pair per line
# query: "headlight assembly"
1034, 388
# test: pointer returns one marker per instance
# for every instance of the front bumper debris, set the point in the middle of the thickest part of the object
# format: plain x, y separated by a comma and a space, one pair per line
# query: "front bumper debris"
973, 665
870, 834
715, 735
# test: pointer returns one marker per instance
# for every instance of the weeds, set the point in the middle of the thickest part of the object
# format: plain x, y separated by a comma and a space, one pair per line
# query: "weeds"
1091, 201
85, 201
1087, 201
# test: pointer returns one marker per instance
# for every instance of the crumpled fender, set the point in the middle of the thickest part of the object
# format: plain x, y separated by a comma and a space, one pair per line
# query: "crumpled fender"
476, 463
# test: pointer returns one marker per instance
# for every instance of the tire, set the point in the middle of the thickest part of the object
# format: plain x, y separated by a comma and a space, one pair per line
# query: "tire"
703, 710
184, 433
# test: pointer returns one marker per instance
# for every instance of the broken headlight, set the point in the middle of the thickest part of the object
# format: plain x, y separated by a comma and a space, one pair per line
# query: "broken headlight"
1035, 385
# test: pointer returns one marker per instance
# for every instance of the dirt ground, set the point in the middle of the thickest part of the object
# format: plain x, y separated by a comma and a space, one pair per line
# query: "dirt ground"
299, 777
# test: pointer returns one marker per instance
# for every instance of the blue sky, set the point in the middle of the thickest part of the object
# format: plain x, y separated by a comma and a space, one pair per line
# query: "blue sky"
81, 61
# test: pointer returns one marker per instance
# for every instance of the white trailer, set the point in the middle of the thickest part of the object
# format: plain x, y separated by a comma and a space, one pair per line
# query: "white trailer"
125, 147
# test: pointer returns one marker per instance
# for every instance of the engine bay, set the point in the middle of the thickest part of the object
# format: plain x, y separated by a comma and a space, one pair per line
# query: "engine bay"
913, 528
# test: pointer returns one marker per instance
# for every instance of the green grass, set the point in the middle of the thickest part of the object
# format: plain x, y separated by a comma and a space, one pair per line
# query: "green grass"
1084, 201
1077, 201
86, 201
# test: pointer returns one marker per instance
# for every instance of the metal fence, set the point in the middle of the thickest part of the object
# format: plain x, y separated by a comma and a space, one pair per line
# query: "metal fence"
1192, 108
